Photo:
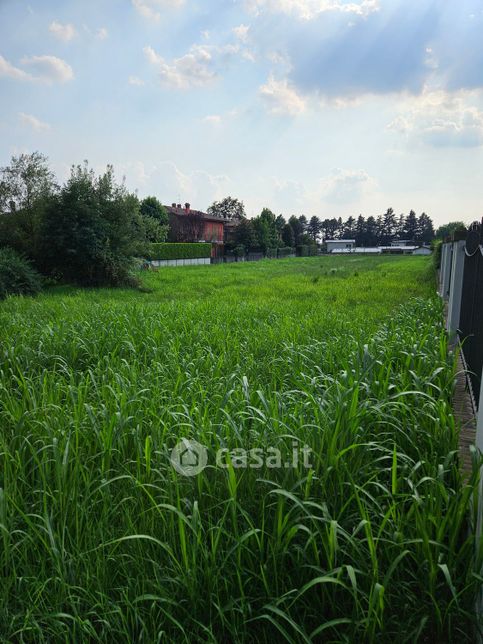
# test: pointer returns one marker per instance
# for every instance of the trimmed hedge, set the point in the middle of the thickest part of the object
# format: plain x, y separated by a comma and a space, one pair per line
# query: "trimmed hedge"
178, 251
285, 251
17, 275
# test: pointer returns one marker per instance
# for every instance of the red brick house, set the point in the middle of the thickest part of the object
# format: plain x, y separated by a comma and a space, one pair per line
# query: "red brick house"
188, 225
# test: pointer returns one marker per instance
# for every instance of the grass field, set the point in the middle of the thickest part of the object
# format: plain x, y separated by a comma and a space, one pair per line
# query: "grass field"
102, 540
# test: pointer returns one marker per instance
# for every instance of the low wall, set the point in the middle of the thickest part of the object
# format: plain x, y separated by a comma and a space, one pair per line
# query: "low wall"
179, 262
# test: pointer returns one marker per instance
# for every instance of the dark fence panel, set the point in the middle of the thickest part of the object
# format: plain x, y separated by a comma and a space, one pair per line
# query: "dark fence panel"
471, 316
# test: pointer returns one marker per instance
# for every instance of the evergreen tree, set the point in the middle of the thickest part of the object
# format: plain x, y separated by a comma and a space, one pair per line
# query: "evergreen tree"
314, 228
411, 226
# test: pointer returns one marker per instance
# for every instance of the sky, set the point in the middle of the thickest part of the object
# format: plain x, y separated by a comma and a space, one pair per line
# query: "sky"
330, 108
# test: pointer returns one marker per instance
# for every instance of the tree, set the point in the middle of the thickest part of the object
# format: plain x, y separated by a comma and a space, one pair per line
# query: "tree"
245, 235
314, 228
388, 227
411, 226
92, 229
297, 227
330, 228
152, 207
288, 237
155, 219
26, 186
227, 208
448, 229
266, 229
425, 228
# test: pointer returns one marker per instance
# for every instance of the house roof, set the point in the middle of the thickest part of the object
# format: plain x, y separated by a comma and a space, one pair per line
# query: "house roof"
182, 211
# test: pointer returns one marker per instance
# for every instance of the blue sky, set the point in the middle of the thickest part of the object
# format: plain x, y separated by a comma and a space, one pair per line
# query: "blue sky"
321, 107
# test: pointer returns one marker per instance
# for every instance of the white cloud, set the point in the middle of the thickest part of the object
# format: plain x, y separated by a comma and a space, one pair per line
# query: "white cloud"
241, 32
213, 119
171, 184
194, 69
441, 119
102, 33
33, 122
309, 9
48, 69
9, 71
134, 80
45, 69
151, 9
346, 186
280, 98
62, 32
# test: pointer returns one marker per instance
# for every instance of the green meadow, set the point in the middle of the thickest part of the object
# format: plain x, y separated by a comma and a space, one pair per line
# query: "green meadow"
102, 540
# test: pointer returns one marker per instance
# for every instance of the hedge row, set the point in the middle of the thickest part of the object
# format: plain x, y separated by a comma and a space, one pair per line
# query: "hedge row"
305, 250
178, 251
285, 251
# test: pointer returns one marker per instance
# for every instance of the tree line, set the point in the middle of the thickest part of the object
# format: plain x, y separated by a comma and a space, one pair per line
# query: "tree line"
271, 231
89, 229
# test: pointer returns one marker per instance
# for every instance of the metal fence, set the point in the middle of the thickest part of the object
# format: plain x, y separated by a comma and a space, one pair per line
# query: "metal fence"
461, 284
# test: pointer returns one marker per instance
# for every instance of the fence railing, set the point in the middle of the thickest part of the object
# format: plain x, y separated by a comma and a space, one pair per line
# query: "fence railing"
461, 284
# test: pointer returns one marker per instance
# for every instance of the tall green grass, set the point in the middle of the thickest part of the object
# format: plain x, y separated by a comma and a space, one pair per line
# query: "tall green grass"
102, 540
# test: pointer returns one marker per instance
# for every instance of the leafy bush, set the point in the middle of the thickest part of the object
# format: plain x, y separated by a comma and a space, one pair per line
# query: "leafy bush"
239, 251
17, 276
302, 250
178, 251
92, 230
437, 248
285, 251
271, 253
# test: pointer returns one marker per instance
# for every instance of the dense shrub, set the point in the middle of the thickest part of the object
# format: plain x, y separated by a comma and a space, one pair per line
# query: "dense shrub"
17, 276
178, 251
271, 253
285, 251
91, 230
437, 248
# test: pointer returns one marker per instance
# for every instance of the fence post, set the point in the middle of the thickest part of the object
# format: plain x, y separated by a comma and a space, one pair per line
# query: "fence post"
446, 269
456, 286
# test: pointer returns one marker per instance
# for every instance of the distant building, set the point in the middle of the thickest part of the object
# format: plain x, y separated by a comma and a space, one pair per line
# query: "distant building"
189, 225
340, 245
422, 250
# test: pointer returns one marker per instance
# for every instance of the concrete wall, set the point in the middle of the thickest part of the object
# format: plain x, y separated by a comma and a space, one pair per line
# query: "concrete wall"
180, 262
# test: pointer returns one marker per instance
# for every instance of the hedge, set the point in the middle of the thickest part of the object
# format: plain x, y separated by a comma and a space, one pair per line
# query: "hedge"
178, 251
285, 251
305, 250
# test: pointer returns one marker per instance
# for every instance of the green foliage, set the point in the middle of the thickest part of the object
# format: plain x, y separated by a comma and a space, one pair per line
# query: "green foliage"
178, 251
26, 186
265, 226
228, 208
91, 230
17, 276
285, 251
306, 250
245, 234
102, 541
448, 229
155, 219
271, 253
437, 247
152, 207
